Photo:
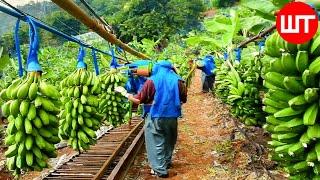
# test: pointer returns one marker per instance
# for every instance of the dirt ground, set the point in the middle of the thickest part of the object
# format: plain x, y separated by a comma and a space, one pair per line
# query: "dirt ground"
211, 147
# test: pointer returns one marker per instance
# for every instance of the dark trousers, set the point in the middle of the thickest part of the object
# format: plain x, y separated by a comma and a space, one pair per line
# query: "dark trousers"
207, 82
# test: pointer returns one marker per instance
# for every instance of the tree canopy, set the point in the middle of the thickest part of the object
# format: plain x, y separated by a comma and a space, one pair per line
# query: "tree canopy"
134, 19
156, 19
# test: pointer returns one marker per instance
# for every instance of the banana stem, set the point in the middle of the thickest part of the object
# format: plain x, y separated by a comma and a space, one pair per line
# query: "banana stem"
190, 74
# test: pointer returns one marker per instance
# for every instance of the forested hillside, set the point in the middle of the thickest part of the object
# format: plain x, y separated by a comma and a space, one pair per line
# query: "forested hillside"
135, 19
38, 9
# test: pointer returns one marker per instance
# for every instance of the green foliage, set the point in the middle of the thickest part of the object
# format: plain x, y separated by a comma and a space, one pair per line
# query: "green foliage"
157, 19
219, 32
64, 23
239, 85
7, 39
263, 8
228, 28
223, 3
108, 8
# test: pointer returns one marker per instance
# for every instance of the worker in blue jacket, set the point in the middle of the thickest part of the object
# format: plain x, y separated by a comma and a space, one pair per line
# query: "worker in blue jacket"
207, 66
136, 82
165, 91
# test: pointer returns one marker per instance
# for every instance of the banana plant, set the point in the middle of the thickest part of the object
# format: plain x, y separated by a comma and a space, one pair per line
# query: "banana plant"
239, 85
219, 32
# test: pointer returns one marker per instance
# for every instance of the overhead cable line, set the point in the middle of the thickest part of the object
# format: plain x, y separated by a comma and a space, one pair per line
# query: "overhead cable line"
92, 23
87, 5
23, 16
69, 27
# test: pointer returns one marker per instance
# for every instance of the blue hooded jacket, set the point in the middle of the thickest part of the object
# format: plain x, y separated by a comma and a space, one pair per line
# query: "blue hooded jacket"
166, 102
209, 65
135, 83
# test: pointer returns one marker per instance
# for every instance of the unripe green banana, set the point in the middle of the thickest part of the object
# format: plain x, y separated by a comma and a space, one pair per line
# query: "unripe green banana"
24, 113
81, 93
109, 104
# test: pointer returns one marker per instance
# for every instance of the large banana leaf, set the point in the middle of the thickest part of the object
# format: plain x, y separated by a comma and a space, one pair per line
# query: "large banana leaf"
255, 24
205, 41
263, 8
219, 34
214, 26
280, 3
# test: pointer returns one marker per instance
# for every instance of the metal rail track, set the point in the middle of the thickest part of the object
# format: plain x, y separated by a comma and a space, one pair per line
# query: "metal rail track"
109, 159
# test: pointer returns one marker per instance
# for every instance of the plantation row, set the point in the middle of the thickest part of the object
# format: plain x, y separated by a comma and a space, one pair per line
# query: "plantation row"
43, 108
279, 90
275, 86
39, 115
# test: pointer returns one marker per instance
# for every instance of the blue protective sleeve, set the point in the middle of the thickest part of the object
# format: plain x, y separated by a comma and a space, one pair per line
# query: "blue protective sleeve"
95, 62
32, 61
81, 64
113, 63
261, 45
225, 56
238, 54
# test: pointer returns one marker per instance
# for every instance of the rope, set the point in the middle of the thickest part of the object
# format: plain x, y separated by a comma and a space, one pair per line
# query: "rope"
107, 26
12, 7
69, 27
17, 45
76, 11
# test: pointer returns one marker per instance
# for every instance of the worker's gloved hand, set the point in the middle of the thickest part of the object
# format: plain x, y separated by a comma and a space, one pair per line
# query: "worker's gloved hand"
199, 64
122, 91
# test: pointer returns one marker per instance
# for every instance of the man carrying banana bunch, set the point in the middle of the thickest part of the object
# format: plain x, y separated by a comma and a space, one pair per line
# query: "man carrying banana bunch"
207, 67
165, 91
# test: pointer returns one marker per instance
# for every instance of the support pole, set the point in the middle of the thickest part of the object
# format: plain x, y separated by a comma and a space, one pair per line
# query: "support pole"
74, 10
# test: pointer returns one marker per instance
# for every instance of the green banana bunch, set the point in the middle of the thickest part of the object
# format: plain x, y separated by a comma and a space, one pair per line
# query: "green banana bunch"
112, 104
292, 102
245, 97
79, 117
31, 109
240, 89
222, 80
